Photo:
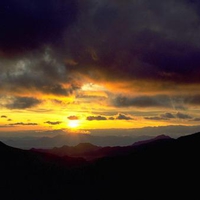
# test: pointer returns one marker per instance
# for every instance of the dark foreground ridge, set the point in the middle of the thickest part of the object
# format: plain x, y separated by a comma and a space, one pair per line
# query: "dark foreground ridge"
164, 168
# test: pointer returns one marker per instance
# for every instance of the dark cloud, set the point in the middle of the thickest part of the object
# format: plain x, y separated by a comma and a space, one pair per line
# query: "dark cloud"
22, 103
120, 116
183, 116
179, 102
192, 100
90, 97
98, 118
23, 124
53, 123
73, 117
3, 116
142, 101
55, 43
29, 24
30, 44
167, 115
123, 117
42, 73
111, 118
155, 41
196, 119
155, 118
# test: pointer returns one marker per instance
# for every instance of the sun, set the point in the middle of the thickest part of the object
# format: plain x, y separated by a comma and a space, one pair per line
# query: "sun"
73, 123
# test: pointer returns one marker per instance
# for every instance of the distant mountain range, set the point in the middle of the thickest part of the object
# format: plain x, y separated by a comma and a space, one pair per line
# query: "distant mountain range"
71, 140
90, 152
98, 137
161, 168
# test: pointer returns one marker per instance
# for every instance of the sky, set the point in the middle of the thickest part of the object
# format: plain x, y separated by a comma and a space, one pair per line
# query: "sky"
99, 64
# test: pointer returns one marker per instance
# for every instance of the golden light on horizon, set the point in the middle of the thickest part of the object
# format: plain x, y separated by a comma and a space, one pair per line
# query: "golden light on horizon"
73, 123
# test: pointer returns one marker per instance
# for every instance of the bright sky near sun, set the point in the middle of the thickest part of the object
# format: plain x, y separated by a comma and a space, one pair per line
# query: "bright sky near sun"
102, 65
90, 109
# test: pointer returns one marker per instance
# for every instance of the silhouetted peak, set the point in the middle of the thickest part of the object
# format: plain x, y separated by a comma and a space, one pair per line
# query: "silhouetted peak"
86, 145
162, 137
159, 137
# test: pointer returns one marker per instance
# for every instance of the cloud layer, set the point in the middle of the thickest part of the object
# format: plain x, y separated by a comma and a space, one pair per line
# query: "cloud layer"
154, 41
171, 116
51, 49
53, 123
119, 116
29, 24
137, 41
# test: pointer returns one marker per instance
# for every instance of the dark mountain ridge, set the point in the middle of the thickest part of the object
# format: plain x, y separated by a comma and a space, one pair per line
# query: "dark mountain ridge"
160, 169
78, 150
91, 152
71, 140
159, 137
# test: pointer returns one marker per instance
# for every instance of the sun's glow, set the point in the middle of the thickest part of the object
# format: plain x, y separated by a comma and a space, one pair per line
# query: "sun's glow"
73, 123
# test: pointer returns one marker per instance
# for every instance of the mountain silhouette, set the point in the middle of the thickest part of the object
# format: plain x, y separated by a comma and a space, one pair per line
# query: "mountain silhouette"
91, 152
159, 137
159, 169
75, 151
71, 140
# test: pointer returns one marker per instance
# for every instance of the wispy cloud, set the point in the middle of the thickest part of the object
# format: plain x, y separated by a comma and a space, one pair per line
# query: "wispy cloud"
53, 123
73, 117
170, 116
183, 116
21, 102
121, 116
98, 118
23, 124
